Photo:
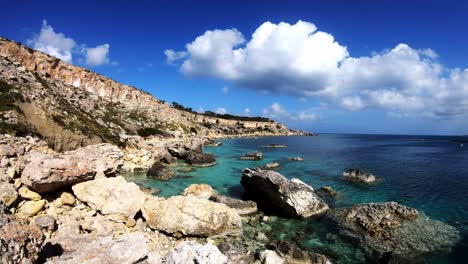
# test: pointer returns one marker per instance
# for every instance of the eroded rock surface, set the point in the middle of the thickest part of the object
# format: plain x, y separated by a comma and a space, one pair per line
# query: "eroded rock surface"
358, 175
256, 155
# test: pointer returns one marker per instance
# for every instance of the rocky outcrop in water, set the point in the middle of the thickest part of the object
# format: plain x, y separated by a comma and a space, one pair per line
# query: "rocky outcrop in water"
202, 191
391, 227
195, 216
296, 158
242, 207
201, 159
160, 171
256, 155
273, 190
46, 173
359, 176
291, 253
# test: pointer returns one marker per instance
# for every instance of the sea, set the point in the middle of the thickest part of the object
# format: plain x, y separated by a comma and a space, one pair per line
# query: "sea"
429, 173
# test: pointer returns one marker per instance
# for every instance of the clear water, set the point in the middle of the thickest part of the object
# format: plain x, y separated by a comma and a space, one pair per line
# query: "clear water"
429, 173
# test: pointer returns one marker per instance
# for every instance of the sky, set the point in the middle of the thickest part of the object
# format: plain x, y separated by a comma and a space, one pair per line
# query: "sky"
387, 67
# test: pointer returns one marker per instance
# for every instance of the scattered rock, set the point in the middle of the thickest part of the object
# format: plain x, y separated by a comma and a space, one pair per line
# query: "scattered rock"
7, 151
186, 169
197, 217
391, 227
67, 198
25, 193
202, 191
200, 159
276, 146
242, 207
296, 158
45, 221
191, 252
30, 208
271, 165
261, 237
150, 190
160, 171
181, 149
256, 155
20, 241
8, 194
291, 197
358, 176
46, 173
111, 196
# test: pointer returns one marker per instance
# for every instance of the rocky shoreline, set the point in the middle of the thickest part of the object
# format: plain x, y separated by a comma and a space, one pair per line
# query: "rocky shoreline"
72, 207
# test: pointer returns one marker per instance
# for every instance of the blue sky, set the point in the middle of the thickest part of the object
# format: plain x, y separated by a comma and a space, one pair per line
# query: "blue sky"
366, 67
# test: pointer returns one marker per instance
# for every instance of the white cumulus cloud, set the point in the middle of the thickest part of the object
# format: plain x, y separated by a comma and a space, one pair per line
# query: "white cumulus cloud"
98, 55
302, 61
53, 43
221, 110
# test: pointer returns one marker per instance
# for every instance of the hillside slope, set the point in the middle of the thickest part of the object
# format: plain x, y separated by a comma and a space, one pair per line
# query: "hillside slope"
70, 106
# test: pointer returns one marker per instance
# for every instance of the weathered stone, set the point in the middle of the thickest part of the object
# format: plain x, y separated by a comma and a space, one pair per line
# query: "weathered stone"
256, 155
271, 165
126, 249
327, 191
293, 254
25, 193
271, 257
291, 197
8, 194
67, 198
20, 242
202, 191
111, 196
181, 149
45, 173
242, 207
198, 217
358, 175
191, 252
160, 171
45, 221
200, 159
30, 208
7, 151
296, 158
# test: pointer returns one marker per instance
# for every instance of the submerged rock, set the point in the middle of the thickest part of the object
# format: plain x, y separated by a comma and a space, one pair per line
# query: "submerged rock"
200, 159
47, 173
391, 227
256, 155
111, 196
327, 191
20, 241
242, 207
191, 252
160, 171
291, 197
188, 215
358, 175
276, 146
291, 253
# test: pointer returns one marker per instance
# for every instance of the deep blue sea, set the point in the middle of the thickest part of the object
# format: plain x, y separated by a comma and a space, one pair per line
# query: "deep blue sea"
429, 173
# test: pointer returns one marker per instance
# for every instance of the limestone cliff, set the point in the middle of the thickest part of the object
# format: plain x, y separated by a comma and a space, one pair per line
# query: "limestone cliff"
71, 106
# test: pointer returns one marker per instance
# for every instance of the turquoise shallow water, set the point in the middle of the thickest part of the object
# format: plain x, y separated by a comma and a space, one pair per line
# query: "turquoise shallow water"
429, 173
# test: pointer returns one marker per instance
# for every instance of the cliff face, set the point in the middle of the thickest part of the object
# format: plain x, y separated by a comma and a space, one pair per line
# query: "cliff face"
70, 106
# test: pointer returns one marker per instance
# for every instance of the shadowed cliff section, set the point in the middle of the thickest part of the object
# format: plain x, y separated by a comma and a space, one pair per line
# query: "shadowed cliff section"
71, 106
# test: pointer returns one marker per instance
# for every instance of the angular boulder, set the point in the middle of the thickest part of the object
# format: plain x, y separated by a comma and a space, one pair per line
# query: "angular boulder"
181, 149
392, 227
273, 190
201, 159
256, 155
188, 215
291, 253
111, 196
30, 208
46, 173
